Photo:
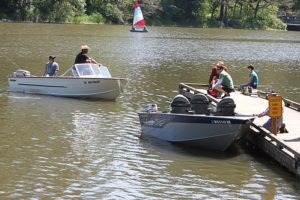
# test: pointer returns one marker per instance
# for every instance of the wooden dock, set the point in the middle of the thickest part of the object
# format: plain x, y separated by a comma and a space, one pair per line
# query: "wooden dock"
283, 147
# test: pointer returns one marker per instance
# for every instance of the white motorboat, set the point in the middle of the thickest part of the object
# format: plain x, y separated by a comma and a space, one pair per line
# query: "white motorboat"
195, 123
80, 81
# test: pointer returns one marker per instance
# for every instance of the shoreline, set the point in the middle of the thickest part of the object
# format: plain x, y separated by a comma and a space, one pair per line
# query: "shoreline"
162, 25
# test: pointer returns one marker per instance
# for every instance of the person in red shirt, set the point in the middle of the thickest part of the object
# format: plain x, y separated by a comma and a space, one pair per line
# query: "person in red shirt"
214, 74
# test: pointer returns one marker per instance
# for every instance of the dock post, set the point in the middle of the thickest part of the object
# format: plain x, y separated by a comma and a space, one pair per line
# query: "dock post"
274, 125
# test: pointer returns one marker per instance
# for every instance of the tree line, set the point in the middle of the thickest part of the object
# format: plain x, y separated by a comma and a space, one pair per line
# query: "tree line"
200, 13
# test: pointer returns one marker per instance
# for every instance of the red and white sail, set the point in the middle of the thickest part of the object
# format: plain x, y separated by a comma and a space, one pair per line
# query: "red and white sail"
138, 18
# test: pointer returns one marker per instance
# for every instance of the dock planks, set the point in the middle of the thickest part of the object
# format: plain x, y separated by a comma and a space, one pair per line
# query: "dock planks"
283, 147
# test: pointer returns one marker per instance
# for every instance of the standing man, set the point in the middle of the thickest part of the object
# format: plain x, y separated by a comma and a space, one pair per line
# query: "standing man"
82, 56
51, 67
252, 80
224, 83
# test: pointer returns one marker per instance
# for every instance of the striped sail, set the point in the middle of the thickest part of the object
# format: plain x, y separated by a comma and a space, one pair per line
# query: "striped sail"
138, 18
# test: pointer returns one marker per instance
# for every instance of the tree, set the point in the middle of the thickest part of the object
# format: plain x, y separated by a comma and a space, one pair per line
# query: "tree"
17, 10
112, 10
296, 6
57, 11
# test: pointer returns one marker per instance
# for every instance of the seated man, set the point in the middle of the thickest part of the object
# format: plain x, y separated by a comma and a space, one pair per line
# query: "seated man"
252, 80
82, 56
224, 83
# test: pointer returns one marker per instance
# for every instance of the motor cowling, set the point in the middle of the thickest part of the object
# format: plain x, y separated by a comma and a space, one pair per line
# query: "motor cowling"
180, 104
22, 73
200, 103
226, 107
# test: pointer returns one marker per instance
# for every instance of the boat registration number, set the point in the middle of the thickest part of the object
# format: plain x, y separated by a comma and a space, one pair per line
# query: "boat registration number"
91, 82
220, 121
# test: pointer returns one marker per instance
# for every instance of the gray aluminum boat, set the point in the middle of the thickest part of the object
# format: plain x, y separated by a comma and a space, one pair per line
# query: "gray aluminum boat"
196, 124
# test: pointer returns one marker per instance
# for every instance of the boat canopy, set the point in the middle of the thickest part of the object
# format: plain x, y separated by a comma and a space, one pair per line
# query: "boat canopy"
90, 70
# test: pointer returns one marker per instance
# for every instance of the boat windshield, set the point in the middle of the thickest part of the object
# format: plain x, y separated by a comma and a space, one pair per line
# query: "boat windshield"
90, 70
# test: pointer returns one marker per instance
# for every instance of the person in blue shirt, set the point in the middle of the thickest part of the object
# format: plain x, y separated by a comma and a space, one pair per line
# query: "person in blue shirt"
51, 67
252, 80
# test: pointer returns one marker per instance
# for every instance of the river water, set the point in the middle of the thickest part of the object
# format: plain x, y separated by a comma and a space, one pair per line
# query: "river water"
64, 148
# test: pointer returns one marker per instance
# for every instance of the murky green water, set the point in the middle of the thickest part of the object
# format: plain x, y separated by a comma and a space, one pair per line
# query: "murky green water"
77, 149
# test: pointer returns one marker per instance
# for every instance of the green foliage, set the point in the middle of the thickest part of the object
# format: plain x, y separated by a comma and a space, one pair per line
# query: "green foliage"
96, 18
296, 6
84, 19
276, 23
206, 13
57, 11
112, 10
113, 14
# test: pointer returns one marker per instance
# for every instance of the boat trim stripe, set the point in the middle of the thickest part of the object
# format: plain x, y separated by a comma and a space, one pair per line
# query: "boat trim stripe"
54, 86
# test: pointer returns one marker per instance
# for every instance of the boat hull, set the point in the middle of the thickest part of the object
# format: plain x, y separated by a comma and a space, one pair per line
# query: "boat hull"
207, 132
95, 88
139, 31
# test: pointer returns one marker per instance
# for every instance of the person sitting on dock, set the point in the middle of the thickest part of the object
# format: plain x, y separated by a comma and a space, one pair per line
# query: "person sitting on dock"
82, 56
252, 80
224, 83
51, 67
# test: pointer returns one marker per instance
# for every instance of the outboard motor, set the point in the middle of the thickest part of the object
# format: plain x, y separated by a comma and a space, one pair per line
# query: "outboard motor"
151, 107
226, 107
22, 73
199, 104
180, 104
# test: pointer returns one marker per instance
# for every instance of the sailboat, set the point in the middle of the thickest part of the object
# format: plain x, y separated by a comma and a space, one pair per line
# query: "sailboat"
138, 24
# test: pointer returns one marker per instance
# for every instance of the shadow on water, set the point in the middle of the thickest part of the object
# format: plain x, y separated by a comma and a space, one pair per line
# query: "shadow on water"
178, 148
20, 95
270, 164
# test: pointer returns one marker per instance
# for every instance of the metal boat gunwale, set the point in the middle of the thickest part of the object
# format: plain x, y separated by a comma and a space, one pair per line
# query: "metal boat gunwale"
196, 117
67, 77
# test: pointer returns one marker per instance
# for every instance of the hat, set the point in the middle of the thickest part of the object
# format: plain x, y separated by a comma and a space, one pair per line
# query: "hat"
84, 47
220, 63
52, 57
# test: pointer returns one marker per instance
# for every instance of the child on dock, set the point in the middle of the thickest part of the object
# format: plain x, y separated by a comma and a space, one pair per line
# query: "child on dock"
252, 80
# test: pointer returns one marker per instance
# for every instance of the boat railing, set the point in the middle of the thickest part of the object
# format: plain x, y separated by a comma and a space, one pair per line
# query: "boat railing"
66, 72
